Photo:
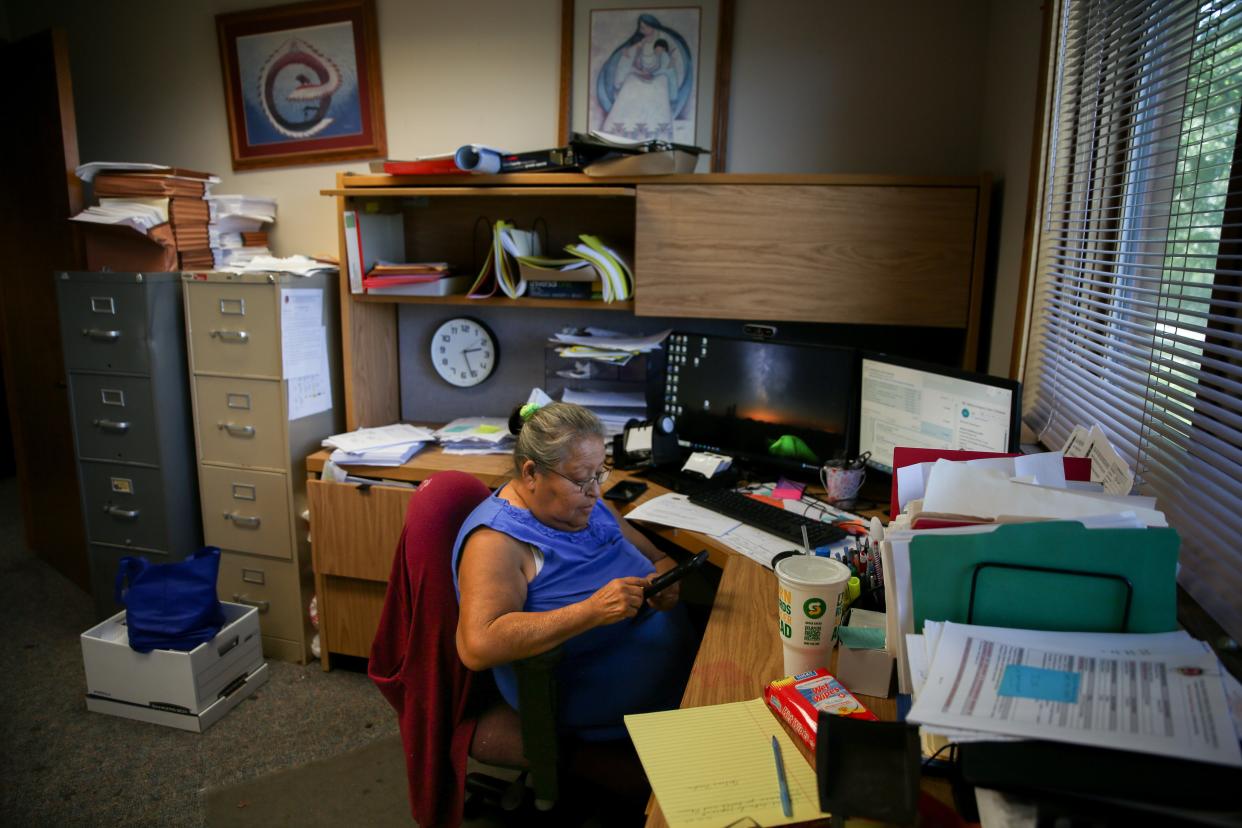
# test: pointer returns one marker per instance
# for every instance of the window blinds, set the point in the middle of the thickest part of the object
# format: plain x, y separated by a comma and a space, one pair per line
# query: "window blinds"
1135, 320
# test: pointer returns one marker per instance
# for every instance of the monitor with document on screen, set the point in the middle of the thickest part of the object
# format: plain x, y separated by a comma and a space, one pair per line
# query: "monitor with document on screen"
908, 403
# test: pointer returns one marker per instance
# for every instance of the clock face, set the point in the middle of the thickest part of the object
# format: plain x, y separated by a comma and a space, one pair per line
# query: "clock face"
463, 352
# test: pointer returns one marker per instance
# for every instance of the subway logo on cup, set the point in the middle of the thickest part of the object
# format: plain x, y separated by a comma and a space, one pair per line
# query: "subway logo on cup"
815, 608
784, 621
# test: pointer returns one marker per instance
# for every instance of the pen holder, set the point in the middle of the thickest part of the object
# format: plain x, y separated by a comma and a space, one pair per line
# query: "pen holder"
842, 483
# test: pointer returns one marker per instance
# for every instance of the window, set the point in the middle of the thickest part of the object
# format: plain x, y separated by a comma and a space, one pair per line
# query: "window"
1135, 321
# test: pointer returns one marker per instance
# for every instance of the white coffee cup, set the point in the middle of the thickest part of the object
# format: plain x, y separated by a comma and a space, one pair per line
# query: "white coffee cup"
810, 599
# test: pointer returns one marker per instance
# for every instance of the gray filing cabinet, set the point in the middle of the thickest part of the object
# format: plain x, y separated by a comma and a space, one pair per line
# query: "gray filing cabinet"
124, 345
264, 359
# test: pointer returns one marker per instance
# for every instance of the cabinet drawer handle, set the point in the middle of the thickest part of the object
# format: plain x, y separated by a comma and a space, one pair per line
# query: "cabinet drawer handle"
119, 426
101, 334
247, 521
263, 606
236, 430
118, 512
231, 336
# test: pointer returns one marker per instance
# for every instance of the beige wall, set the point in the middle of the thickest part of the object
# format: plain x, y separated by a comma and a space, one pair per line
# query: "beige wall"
905, 87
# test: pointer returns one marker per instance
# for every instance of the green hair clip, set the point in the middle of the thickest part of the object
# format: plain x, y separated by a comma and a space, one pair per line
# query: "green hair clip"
527, 410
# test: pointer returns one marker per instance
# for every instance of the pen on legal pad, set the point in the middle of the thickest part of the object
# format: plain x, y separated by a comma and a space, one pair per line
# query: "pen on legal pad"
786, 805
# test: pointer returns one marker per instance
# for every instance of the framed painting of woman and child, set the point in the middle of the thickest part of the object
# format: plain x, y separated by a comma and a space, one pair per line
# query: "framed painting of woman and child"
642, 73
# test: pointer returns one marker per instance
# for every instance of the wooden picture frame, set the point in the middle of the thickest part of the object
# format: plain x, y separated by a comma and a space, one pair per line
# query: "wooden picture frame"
594, 41
302, 83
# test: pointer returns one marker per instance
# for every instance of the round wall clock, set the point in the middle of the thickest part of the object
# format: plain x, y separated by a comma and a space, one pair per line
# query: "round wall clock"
463, 351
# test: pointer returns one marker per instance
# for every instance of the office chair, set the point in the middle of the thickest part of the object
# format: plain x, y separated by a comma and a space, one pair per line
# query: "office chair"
447, 712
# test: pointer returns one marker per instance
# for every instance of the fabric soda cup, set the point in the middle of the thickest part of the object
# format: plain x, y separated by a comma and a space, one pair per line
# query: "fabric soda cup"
810, 599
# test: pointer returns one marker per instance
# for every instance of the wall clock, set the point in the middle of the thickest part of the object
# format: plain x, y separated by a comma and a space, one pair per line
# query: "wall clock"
464, 351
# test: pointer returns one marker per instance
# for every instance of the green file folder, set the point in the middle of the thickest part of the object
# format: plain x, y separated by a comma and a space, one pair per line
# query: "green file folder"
942, 566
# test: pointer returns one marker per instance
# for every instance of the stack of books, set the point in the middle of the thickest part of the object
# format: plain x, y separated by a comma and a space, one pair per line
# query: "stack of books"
180, 192
235, 232
413, 279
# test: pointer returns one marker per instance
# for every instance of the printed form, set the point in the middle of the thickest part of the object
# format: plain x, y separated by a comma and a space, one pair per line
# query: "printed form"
1103, 692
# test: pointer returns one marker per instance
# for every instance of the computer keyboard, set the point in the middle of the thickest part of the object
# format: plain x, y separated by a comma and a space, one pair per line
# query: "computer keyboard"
772, 519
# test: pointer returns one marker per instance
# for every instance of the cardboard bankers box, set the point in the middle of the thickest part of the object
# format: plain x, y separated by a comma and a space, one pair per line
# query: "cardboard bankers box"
122, 249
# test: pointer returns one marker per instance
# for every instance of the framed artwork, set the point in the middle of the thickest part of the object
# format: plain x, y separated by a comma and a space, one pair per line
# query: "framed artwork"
302, 83
646, 72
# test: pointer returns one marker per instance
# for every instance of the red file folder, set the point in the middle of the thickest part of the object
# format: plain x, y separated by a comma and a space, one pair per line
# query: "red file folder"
1076, 468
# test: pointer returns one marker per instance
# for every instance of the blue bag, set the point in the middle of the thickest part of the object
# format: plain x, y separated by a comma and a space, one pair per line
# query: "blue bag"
171, 606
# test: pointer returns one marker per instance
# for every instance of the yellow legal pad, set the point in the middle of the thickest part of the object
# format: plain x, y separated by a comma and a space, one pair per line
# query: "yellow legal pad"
714, 766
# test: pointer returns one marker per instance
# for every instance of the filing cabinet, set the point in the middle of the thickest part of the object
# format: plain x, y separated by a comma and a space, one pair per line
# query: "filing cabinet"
265, 380
125, 359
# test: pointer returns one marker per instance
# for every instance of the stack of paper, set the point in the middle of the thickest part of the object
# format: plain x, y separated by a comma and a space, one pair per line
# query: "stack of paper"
383, 446
139, 213
605, 346
476, 435
614, 274
236, 232
1161, 693
296, 265
614, 408
499, 267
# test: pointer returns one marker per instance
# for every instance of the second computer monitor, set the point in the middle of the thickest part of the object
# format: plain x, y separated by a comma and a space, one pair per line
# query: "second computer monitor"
739, 396
909, 403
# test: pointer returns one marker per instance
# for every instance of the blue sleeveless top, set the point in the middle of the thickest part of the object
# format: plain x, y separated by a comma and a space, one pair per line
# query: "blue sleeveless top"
633, 666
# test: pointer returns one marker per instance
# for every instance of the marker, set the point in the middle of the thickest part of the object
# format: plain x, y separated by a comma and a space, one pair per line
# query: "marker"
786, 805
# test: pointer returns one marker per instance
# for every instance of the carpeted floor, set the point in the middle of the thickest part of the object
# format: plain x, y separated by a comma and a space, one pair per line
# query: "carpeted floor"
62, 765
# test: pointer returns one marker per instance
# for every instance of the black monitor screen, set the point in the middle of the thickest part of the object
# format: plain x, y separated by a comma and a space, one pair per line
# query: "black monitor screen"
739, 396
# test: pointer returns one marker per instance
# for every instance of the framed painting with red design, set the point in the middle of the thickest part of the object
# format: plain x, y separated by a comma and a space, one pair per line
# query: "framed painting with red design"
302, 83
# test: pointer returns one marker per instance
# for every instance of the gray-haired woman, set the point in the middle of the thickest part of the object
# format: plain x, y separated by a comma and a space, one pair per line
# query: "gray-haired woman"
544, 562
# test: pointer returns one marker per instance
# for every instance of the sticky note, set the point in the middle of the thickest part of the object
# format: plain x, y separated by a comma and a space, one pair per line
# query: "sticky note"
862, 638
488, 429
456, 428
788, 490
1040, 683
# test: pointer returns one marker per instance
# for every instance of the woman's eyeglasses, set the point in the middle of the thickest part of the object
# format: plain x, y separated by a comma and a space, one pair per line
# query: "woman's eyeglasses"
584, 486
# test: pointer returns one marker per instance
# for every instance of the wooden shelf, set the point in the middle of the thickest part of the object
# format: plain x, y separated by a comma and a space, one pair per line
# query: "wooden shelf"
500, 302
485, 192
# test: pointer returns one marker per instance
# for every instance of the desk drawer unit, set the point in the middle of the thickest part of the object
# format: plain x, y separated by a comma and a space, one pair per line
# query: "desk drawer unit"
252, 440
356, 533
124, 342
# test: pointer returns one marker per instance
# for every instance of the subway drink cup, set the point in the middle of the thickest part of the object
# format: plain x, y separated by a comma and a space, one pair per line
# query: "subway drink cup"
810, 600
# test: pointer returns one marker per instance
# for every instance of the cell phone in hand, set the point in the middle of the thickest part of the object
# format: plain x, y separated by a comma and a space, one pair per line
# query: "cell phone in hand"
674, 575
626, 491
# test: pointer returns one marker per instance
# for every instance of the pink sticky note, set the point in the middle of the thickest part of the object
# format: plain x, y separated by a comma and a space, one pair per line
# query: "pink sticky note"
788, 490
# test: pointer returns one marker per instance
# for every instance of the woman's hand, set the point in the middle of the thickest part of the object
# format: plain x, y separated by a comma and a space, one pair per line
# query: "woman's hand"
666, 598
617, 600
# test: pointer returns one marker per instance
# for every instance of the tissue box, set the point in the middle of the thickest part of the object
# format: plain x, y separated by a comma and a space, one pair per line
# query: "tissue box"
190, 689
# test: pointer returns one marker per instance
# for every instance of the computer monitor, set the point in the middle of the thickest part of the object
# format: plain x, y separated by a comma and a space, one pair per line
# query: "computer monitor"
904, 402
738, 396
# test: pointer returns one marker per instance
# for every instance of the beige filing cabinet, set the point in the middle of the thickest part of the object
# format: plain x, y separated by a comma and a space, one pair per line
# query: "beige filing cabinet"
264, 358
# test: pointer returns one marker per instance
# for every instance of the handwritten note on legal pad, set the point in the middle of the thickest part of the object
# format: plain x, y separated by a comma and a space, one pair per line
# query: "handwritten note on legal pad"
713, 765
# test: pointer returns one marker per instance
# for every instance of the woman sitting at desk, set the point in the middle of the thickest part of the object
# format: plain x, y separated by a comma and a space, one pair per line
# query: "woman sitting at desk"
544, 562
